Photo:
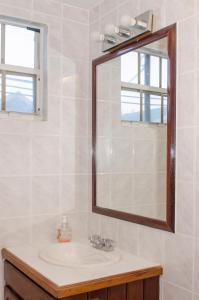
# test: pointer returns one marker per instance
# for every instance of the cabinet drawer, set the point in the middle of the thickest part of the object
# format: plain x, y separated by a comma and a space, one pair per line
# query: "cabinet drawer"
22, 285
9, 294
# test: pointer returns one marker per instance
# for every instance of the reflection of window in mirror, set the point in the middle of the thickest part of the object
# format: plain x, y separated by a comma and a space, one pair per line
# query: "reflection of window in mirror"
144, 84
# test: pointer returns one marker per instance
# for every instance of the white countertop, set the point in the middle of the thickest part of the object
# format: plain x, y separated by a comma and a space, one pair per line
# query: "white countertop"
62, 276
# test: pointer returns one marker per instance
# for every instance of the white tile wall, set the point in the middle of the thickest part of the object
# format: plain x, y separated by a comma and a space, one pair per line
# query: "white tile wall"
41, 161
74, 14
179, 252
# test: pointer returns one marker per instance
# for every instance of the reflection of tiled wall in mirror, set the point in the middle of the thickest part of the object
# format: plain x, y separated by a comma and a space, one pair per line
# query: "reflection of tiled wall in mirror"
131, 157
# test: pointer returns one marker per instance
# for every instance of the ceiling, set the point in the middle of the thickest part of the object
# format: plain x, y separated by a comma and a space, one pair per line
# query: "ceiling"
86, 4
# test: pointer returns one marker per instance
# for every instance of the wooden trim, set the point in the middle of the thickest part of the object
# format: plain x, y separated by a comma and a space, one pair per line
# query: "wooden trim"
82, 287
171, 130
169, 223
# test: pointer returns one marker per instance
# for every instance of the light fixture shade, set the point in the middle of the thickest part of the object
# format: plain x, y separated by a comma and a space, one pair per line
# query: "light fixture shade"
127, 21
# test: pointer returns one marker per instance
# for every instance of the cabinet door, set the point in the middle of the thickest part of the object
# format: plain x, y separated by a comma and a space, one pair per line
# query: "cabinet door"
9, 295
22, 285
117, 292
98, 295
135, 290
151, 288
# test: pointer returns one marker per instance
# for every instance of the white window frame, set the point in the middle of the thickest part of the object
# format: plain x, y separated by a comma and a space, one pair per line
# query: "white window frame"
39, 71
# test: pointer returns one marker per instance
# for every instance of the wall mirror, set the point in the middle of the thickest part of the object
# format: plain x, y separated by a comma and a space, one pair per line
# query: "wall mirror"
134, 131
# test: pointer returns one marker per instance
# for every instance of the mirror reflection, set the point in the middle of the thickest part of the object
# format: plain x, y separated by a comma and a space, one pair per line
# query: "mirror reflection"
131, 141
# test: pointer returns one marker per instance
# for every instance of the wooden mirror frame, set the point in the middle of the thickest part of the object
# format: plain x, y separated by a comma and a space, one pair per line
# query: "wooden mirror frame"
169, 223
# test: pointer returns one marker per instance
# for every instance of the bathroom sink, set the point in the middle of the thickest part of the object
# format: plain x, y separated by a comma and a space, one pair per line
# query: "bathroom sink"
75, 254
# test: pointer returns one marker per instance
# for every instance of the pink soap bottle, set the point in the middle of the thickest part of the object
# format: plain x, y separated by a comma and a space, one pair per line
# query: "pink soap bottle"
64, 233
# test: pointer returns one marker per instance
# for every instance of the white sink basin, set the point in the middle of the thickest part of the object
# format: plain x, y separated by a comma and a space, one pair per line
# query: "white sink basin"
75, 254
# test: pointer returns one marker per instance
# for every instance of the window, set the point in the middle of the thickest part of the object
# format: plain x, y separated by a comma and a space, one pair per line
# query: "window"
23, 67
130, 105
144, 86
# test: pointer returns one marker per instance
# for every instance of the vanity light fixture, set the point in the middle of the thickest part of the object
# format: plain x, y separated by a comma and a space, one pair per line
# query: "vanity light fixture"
129, 28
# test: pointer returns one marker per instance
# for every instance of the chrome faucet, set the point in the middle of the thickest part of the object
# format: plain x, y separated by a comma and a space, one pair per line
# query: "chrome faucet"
100, 243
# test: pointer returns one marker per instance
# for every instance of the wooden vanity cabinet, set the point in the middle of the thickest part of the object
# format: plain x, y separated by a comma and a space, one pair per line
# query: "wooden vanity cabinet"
10, 295
20, 286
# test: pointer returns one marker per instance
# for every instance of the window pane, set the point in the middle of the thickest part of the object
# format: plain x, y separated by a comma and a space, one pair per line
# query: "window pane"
142, 68
129, 67
20, 94
19, 46
152, 108
165, 109
154, 71
164, 73
130, 106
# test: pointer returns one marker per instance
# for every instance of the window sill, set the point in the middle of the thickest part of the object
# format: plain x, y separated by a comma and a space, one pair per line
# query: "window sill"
142, 123
22, 116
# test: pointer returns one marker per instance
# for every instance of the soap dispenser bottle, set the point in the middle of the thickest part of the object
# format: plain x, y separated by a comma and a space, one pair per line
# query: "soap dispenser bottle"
64, 233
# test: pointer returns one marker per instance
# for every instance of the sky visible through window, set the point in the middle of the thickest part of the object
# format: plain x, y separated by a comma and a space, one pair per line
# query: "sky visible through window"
19, 51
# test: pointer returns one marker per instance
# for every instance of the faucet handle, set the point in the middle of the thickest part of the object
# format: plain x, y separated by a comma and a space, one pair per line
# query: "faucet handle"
101, 243
94, 238
109, 244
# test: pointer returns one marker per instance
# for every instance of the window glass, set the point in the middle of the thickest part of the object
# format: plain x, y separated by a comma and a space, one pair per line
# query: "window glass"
19, 46
151, 108
165, 109
164, 72
20, 94
154, 71
142, 68
129, 67
130, 105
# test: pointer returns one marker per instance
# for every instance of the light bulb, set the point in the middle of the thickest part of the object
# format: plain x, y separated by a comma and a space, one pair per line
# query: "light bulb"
101, 37
127, 21
97, 36
133, 21
109, 29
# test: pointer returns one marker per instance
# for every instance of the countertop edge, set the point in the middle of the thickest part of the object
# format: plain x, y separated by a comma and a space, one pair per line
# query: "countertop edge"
81, 287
